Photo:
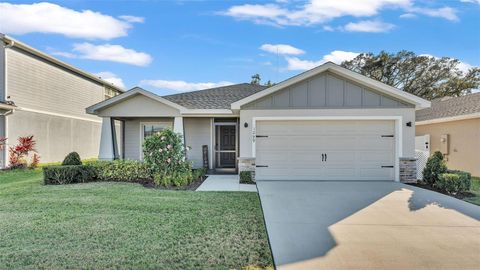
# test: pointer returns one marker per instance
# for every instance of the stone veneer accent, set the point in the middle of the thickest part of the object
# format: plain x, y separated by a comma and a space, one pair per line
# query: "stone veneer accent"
408, 170
247, 164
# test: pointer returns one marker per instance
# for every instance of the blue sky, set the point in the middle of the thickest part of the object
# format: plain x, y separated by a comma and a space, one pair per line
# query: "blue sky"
169, 47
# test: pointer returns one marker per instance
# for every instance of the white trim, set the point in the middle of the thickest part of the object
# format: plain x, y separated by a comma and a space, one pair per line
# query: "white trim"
449, 119
207, 111
132, 92
141, 125
358, 78
58, 114
398, 131
210, 165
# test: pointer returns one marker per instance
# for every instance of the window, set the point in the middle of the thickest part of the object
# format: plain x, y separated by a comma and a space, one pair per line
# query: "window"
109, 92
150, 129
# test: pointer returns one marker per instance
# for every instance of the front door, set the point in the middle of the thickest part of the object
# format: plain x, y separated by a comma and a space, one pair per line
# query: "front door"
226, 146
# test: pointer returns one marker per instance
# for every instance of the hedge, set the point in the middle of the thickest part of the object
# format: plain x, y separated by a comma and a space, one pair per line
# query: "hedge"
69, 174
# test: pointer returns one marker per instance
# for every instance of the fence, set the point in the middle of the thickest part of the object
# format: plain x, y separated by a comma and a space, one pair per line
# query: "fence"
422, 157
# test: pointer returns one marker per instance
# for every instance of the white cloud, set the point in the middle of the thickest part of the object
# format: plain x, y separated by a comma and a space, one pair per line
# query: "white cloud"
462, 66
374, 26
471, 1
322, 11
132, 19
183, 86
111, 77
407, 16
313, 12
328, 28
51, 18
114, 53
281, 49
447, 13
336, 57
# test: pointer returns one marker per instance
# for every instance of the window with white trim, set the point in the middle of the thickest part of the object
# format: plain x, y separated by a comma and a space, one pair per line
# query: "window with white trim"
150, 129
109, 92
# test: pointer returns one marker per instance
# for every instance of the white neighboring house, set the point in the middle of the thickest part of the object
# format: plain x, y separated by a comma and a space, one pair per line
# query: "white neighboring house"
328, 123
45, 97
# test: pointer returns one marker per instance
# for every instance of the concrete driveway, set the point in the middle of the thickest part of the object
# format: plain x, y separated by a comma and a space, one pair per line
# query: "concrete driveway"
368, 225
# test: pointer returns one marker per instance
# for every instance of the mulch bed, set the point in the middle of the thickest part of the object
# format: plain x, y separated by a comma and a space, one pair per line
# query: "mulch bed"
460, 195
192, 186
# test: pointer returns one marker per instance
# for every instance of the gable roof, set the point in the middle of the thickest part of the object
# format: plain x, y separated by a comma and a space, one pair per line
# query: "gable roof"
451, 108
132, 92
215, 98
343, 72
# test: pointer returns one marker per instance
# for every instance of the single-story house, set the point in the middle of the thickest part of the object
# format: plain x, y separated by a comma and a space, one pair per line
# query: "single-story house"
452, 126
328, 123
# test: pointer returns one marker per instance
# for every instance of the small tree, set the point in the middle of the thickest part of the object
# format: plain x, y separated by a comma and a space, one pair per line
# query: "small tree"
164, 154
434, 168
256, 79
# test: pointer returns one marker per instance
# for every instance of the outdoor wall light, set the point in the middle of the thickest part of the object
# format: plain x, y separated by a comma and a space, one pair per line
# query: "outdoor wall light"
409, 124
245, 124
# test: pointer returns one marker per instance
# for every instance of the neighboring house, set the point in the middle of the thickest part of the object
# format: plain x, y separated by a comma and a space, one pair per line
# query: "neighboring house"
452, 126
45, 97
328, 123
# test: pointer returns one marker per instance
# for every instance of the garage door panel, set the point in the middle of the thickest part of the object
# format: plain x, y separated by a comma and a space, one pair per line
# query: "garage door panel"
355, 150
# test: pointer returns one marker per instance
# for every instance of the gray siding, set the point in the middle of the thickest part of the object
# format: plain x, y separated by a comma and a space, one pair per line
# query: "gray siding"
56, 136
325, 91
132, 135
197, 133
38, 85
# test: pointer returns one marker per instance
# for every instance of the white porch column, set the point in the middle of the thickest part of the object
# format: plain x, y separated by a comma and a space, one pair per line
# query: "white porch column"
106, 140
178, 125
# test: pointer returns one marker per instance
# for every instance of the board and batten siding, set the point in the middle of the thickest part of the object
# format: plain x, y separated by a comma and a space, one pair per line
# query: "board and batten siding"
133, 134
33, 83
198, 132
325, 91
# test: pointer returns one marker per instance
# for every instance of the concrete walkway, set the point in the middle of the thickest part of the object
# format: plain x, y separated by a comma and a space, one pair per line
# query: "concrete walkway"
227, 182
368, 225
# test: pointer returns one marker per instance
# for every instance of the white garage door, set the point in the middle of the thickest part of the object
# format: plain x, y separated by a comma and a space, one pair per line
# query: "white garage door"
325, 150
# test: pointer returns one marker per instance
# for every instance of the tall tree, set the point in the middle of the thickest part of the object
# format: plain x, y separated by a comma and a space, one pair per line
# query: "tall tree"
256, 79
421, 75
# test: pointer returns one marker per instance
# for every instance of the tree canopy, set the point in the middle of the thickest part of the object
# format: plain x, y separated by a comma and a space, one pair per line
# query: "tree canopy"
422, 75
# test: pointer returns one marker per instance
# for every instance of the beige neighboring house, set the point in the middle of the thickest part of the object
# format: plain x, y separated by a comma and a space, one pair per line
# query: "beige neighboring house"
452, 126
328, 123
45, 97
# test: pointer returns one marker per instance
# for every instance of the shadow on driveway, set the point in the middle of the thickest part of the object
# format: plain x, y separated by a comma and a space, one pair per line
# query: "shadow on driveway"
368, 225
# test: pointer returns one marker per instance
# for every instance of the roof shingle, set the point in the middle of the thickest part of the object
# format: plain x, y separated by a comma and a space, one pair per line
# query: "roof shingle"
215, 98
451, 107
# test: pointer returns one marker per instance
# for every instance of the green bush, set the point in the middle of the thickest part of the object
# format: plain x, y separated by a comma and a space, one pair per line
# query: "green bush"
69, 174
199, 173
72, 159
177, 179
434, 167
121, 170
164, 153
465, 179
448, 182
246, 177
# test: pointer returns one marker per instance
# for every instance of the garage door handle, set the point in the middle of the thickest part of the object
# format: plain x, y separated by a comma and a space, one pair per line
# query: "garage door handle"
387, 166
261, 166
323, 157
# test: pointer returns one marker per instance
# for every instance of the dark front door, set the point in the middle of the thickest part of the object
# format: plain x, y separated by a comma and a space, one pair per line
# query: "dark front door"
226, 144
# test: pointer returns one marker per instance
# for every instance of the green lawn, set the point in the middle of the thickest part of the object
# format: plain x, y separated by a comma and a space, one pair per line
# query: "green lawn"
121, 225
475, 191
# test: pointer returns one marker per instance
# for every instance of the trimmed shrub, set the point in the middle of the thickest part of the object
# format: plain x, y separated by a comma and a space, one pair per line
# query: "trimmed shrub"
434, 167
69, 174
448, 182
164, 153
246, 177
121, 170
177, 179
465, 179
72, 159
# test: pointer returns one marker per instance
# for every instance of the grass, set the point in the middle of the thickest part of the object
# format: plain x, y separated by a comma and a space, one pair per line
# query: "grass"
474, 191
125, 226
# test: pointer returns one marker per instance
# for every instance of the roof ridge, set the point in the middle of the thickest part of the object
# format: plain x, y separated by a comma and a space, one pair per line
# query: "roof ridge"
207, 89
